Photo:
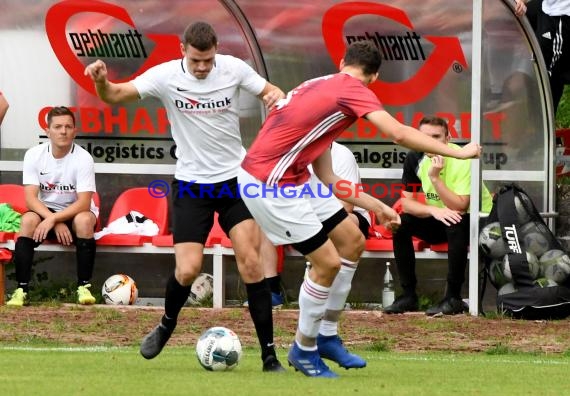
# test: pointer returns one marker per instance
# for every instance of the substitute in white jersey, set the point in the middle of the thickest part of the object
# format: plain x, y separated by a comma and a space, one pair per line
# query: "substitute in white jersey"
200, 93
59, 180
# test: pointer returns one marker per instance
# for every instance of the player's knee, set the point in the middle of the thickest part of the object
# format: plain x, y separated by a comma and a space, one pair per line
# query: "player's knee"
359, 244
28, 223
250, 267
330, 266
352, 246
186, 274
84, 224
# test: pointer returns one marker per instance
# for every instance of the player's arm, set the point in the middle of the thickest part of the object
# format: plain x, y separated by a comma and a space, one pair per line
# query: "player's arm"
350, 192
412, 206
270, 95
412, 138
31, 193
449, 198
345, 167
110, 92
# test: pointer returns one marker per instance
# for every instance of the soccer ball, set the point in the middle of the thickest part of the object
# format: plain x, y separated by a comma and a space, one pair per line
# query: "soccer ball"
555, 265
534, 238
218, 349
496, 272
507, 288
533, 266
520, 206
491, 241
202, 288
120, 289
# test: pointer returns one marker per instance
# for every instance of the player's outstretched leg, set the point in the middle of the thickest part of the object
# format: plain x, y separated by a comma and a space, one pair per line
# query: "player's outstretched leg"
331, 348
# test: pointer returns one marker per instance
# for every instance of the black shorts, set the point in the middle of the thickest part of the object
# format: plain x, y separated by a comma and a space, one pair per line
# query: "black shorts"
363, 224
194, 206
51, 233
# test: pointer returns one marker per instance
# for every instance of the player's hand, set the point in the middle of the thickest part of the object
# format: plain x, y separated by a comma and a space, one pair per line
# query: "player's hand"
437, 164
41, 231
446, 216
97, 71
63, 234
471, 150
520, 8
272, 97
389, 218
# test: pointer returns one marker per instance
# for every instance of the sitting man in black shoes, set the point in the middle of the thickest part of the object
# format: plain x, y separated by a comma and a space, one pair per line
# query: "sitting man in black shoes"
444, 217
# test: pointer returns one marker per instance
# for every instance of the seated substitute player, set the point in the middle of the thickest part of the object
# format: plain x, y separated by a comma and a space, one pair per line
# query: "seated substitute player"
444, 217
59, 180
275, 173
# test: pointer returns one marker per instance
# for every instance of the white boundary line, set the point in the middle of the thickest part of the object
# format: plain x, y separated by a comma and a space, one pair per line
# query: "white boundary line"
384, 356
65, 349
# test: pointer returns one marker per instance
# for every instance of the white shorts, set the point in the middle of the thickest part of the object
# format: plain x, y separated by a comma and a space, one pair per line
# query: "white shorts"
289, 214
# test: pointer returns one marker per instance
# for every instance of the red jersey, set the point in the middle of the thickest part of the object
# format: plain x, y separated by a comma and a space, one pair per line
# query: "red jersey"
304, 125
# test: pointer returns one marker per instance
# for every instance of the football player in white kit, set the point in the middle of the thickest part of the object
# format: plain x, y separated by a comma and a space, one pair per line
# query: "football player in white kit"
200, 94
59, 180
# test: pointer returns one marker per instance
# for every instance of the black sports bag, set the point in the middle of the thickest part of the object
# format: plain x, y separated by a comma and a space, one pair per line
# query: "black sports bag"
523, 259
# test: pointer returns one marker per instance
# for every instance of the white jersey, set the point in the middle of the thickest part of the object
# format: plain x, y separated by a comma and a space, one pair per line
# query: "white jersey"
556, 7
345, 166
60, 179
204, 114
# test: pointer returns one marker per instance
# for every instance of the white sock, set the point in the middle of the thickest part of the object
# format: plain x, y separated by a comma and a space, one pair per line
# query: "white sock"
312, 303
338, 294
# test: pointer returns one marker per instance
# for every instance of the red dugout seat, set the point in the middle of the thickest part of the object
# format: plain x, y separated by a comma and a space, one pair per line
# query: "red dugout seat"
217, 236
14, 195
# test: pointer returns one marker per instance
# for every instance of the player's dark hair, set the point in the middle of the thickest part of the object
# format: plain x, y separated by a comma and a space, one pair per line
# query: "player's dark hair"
363, 54
59, 111
200, 35
435, 121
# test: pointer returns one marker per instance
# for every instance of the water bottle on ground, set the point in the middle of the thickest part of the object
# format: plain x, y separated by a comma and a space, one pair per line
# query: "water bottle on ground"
388, 291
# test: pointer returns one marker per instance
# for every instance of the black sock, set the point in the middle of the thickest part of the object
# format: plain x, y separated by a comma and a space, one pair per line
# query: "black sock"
175, 298
23, 259
259, 299
275, 284
85, 256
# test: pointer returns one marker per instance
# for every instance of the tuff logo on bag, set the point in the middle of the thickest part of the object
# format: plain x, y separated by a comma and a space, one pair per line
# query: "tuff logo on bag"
512, 239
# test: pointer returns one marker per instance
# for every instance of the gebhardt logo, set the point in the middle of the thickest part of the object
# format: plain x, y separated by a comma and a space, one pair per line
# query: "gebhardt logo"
108, 45
447, 51
129, 43
394, 47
